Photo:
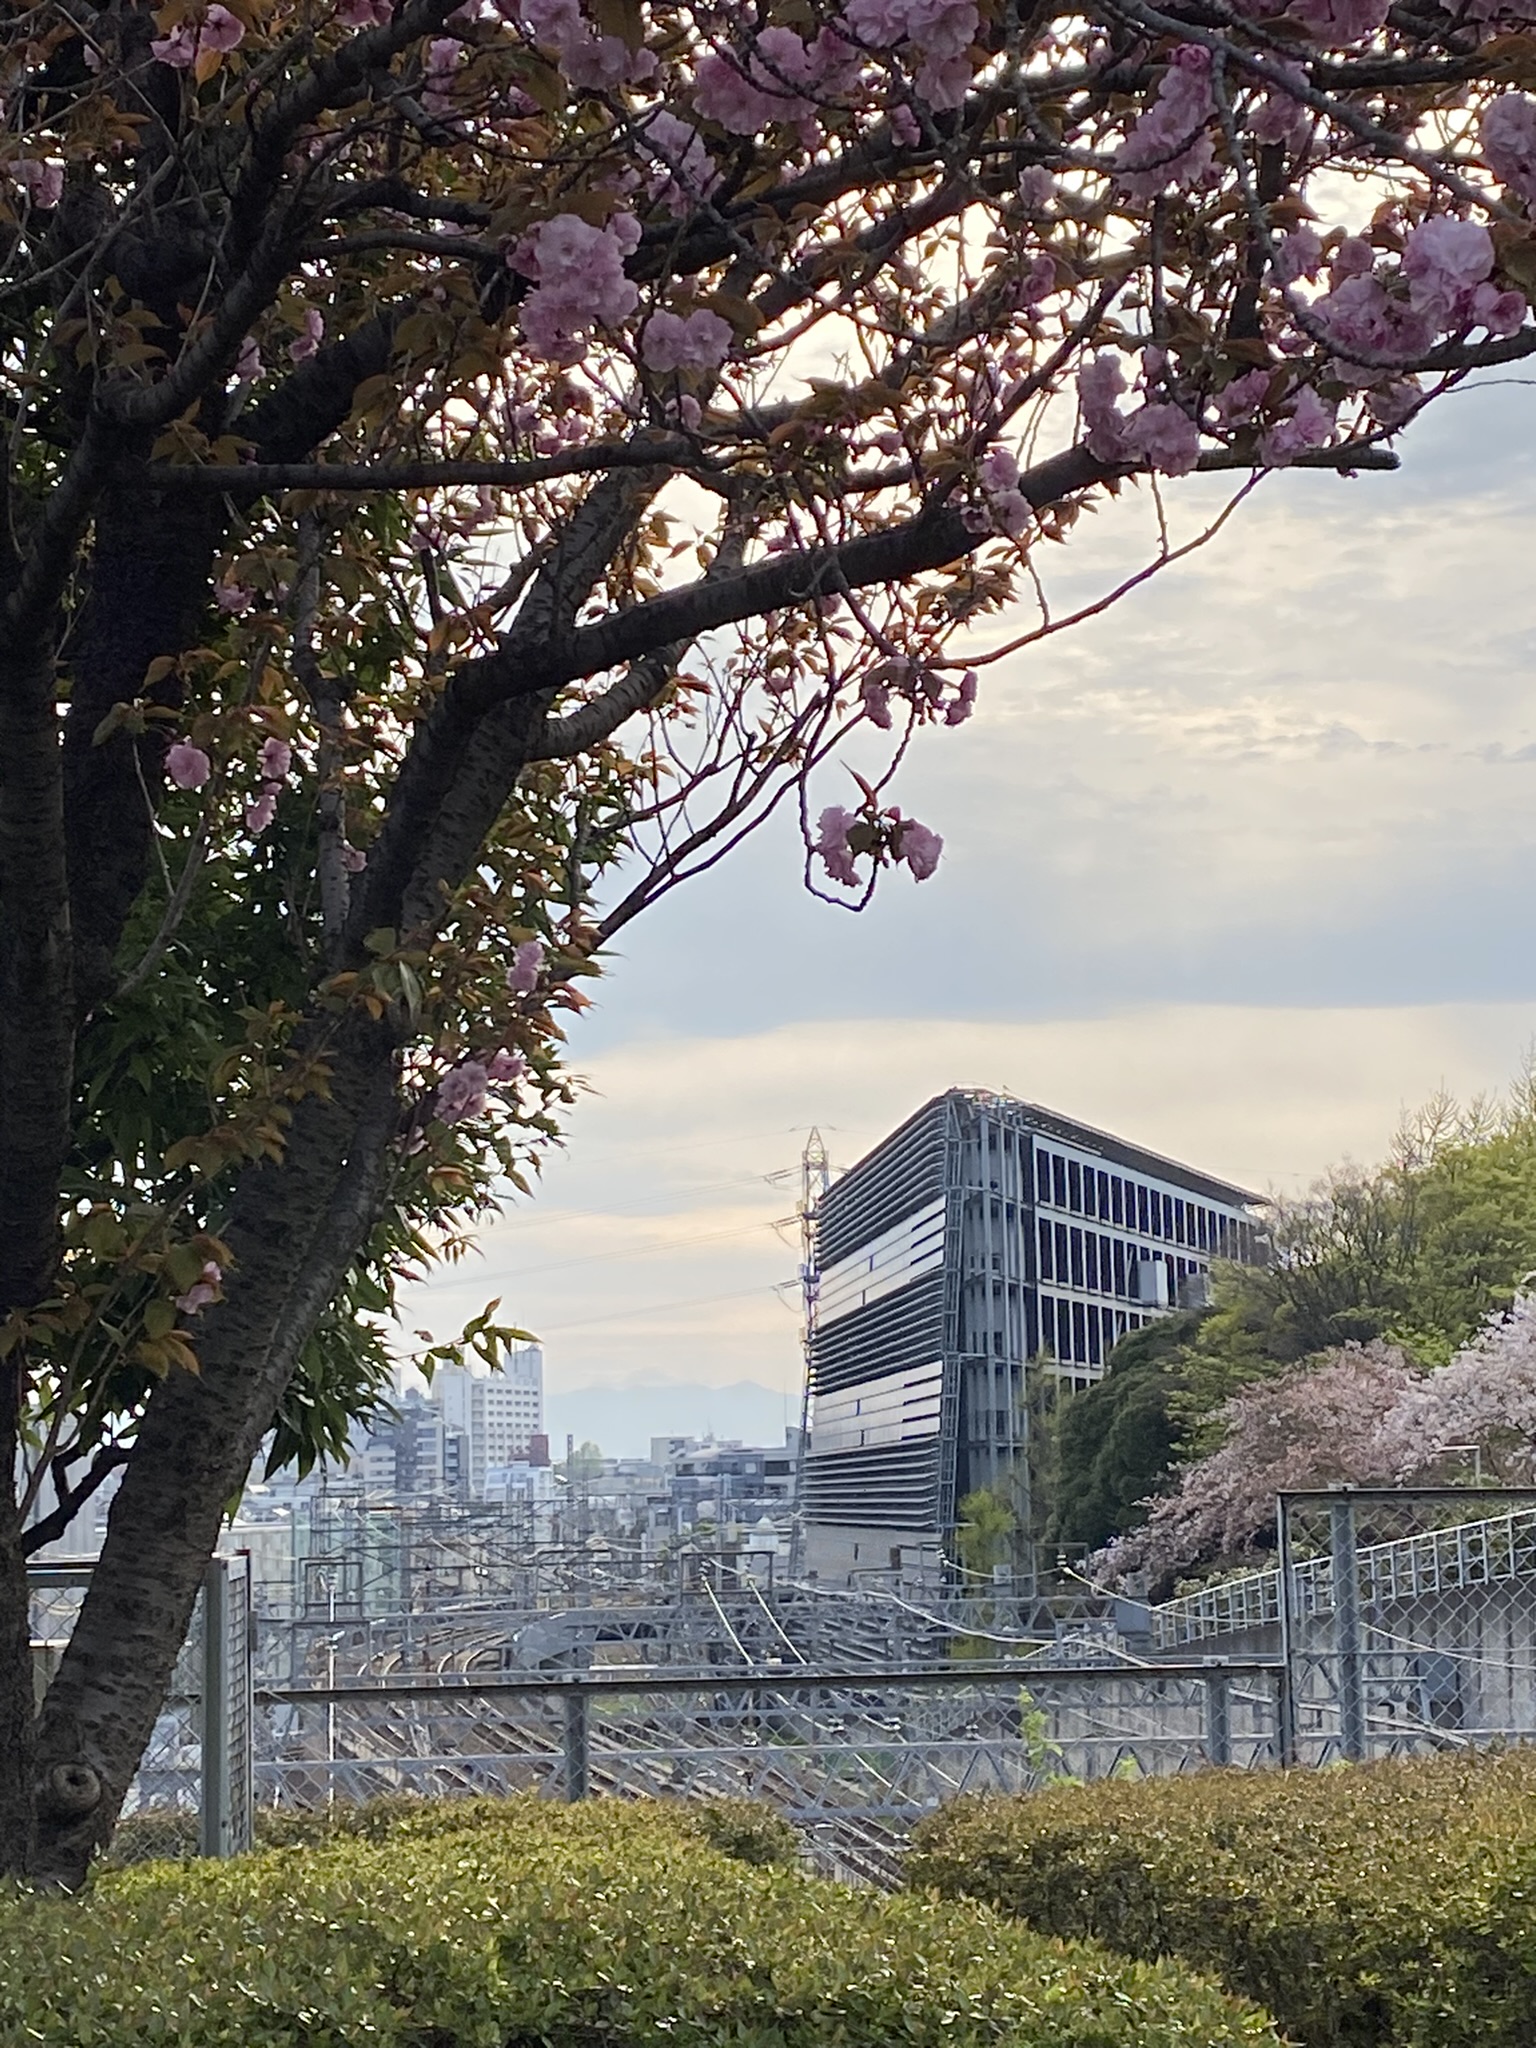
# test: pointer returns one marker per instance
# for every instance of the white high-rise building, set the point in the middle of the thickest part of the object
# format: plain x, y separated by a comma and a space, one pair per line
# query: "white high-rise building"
498, 1413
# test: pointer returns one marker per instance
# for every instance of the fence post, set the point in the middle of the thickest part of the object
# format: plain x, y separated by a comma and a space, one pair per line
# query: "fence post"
1285, 1702
1346, 1620
575, 1744
1218, 1718
214, 1801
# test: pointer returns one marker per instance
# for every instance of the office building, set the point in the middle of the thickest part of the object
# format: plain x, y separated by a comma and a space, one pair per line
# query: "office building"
983, 1234
499, 1413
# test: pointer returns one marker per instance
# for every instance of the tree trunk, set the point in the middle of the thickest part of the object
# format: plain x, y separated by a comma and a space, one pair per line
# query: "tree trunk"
18, 1721
294, 1230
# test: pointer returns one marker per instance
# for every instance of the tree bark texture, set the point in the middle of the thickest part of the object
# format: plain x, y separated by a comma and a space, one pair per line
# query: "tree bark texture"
295, 1229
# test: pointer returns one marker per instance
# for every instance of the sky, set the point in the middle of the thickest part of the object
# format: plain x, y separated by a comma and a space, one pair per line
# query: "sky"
1241, 869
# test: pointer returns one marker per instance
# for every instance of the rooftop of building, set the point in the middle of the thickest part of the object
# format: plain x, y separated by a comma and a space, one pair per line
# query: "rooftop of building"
1050, 1123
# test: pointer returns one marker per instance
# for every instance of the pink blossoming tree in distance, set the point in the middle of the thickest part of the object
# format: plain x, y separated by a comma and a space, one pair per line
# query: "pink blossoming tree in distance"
1361, 1416
470, 461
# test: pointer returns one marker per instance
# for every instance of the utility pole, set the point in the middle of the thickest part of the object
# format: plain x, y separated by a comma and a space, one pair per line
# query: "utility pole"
815, 1178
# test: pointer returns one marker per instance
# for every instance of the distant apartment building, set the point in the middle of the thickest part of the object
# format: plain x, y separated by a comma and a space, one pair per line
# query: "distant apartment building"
498, 1413
982, 1234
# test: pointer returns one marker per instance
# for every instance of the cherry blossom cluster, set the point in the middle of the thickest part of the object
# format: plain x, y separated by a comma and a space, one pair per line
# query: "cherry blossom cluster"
844, 836
925, 689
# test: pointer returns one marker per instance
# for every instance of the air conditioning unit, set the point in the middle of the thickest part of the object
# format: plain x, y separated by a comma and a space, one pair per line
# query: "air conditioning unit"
1149, 1282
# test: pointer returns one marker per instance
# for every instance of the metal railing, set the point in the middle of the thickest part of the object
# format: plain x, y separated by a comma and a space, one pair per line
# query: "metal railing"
853, 1757
1495, 1550
194, 1784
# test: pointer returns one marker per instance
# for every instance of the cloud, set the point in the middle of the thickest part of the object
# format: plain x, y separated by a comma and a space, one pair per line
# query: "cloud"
651, 1254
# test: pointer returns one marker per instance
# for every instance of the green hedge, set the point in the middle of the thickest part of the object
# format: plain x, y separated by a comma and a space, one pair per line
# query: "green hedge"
1388, 1906
549, 1927
746, 1829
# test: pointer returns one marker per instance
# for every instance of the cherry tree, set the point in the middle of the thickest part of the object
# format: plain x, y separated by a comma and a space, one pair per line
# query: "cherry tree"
1360, 1416
469, 462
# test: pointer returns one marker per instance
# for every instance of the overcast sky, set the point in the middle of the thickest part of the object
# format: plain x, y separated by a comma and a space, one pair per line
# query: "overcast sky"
1238, 870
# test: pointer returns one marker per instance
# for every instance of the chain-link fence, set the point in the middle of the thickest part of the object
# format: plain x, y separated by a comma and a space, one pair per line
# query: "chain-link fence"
853, 1758
1407, 1620
193, 1791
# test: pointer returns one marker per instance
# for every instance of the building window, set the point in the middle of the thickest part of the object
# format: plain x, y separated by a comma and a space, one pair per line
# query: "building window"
1047, 1263
1059, 1179
1095, 1339
1119, 1259
1141, 1211
1079, 1332
1074, 1187
1117, 1198
1103, 1197
1090, 1192
1063, 1255
1077, 1258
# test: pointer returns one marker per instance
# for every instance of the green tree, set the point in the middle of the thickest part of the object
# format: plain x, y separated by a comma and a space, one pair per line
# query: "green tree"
1116, 1443
987, 1531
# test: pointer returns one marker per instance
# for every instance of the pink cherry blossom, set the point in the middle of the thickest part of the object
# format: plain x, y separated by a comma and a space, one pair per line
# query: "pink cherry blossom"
1298, 254
1501, 313
904, 126
1354, 257
222, 30
527, 966
187, 766
875, 699
998, 469
42, 182
364, 13
1099, 385
702, 341
594, 62
261, 810
233, 598
831, 843
353, 859
502, 1067
919, 847
310, 337
462, 1092
1169, 144
688, 168
276, 759
1281, 118
248, 362
963, 703
724, 93
1037, 189
204, 1289
219, 29
1444, 261
1241, 399
944, 81
1362, 319
178, 50
1509, 141
1164, 437
1309, 424
579, 275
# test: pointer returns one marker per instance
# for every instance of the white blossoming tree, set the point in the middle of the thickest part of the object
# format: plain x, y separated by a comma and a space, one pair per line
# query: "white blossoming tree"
468, 461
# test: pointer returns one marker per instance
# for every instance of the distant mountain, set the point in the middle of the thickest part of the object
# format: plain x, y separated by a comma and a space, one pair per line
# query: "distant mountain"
622, 1420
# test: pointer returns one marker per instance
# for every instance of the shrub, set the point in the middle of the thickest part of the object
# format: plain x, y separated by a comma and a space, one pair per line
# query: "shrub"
606, 1923
1387, 1906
